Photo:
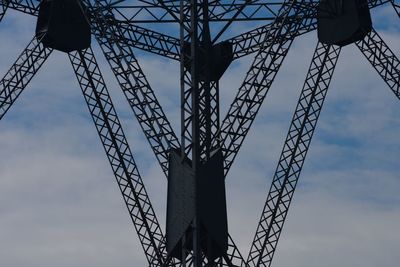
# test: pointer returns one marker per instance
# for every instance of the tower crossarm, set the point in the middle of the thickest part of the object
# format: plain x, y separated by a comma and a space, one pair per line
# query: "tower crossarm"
138, 91
145, 13
244, 10
250, 42
219, 11
136, 36
293, 155
384, 61
119, 155
239, 11
21, 73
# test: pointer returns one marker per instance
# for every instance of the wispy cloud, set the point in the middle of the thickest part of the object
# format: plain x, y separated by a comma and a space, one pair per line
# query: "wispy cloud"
60, 205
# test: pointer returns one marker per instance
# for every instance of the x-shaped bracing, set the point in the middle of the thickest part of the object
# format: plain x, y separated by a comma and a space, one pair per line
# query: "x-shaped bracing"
271, 42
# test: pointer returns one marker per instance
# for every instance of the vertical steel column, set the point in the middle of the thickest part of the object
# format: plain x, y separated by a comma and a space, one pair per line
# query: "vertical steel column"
190, 139
198, 95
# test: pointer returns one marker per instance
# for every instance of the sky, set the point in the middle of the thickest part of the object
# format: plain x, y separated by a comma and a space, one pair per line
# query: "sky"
60, 205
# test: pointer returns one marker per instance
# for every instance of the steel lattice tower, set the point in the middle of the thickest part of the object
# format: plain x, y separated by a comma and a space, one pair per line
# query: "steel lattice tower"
198, 159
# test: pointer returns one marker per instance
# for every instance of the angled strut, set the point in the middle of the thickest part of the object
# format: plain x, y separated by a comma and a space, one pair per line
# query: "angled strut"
119, 154
396, 5
138, 92
21, 73
252, 41
3, 9
258, 81
26, 6
293, 155
384, 61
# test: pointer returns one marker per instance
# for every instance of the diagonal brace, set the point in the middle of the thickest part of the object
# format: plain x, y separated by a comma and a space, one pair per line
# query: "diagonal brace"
384, 61
396, 6
119, 155
293, 155
257, 83
138, 92
21, 73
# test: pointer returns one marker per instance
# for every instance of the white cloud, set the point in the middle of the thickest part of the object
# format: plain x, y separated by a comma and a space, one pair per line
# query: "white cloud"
60, 205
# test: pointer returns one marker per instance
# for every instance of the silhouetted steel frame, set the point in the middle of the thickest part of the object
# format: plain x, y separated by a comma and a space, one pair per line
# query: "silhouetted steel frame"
116, 40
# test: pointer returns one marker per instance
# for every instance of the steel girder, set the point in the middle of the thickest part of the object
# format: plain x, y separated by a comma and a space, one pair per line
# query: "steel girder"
384, 61
168, 46
220, 11
119, 155
293, 155
148, 40
243, 44
21, 72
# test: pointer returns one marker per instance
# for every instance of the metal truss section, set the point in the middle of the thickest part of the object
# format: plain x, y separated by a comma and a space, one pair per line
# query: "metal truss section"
190, 114
147, 40
293, 155
200, 94
384, 61
21, 73
252, 41
396, 5
119, 155
257, 83
168, 46
205, 150
26, 6
233, 258
139, 93
3, 8
245, 10
271, 52
144, 14
156, 11
209, 117
136, 36
192, 33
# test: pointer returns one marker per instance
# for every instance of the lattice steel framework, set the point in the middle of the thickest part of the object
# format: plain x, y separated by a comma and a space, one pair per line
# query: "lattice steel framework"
120, 27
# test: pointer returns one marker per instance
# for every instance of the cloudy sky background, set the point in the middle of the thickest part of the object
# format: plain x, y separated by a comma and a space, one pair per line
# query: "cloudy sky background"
60, 205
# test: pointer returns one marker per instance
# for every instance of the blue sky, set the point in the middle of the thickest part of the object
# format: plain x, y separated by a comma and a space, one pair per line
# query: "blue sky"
60, 205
